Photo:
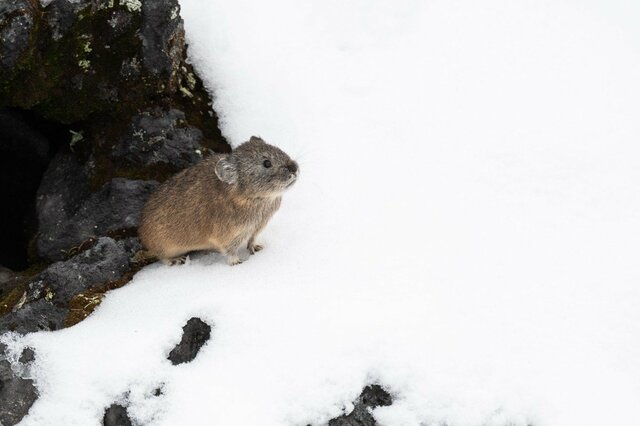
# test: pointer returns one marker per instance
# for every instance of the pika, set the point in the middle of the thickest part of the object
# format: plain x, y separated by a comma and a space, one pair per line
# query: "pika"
219, 204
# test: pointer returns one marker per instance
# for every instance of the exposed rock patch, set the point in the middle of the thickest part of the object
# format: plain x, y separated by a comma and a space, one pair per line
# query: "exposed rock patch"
116, 415
194, 335
17, 394
371, 397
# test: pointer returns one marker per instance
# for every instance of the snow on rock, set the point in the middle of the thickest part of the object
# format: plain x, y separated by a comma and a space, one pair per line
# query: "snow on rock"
464, 232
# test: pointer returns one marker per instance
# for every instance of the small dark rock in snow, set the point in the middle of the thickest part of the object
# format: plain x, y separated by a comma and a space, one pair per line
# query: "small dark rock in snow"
372, 396
195, 334
27, 356
116, 415
17, 395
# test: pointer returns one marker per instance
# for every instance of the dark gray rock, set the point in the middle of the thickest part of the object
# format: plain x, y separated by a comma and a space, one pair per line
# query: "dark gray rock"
194, 335
64, 186
44, 305
120, 22
68, 214
106, 261
16, 25
61, 15
162, 36
161, 138
8, 280
372, 396
71, 53
17, 394
116, 415
39, 315
27, 356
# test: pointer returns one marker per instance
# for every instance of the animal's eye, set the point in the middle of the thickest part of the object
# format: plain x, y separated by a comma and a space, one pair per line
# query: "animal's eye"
266, 163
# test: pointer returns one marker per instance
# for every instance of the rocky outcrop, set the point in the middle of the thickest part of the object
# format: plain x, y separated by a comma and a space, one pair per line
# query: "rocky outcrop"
44, 302
75, 58
128, 111
69, 213
194, 335
99, 95
371, 397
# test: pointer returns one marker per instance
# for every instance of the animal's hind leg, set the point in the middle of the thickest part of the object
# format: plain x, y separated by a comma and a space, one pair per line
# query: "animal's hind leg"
173, 256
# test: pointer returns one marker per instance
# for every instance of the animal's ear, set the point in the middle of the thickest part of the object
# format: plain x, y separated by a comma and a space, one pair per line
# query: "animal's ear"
256, 139
226, 171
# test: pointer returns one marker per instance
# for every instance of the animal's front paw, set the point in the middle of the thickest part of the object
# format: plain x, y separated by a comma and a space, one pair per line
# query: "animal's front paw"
253, 248
180, 260
234, 260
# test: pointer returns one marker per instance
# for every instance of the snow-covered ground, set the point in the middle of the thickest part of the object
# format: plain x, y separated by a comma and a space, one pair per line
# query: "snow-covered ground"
465, 231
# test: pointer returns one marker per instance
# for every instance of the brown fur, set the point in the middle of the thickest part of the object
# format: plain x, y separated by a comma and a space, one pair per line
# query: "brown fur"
219, 204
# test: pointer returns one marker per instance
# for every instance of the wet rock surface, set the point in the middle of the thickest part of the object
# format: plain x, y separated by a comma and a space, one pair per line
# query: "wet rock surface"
116, 415
371, 397
17, 394
194, 335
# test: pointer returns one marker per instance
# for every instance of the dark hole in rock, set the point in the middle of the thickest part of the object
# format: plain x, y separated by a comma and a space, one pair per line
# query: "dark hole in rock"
195, 334
27, 144
116, 415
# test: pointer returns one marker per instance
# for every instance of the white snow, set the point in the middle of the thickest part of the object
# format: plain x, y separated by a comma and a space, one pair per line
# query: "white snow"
465, 230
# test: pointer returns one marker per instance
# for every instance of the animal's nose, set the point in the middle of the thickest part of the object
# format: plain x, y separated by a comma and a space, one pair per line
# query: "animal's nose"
292, 166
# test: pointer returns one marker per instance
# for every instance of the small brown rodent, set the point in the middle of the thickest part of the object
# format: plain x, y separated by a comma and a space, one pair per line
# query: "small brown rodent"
219, 204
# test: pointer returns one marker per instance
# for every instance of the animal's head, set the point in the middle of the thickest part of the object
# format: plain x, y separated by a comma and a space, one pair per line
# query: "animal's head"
258, 169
